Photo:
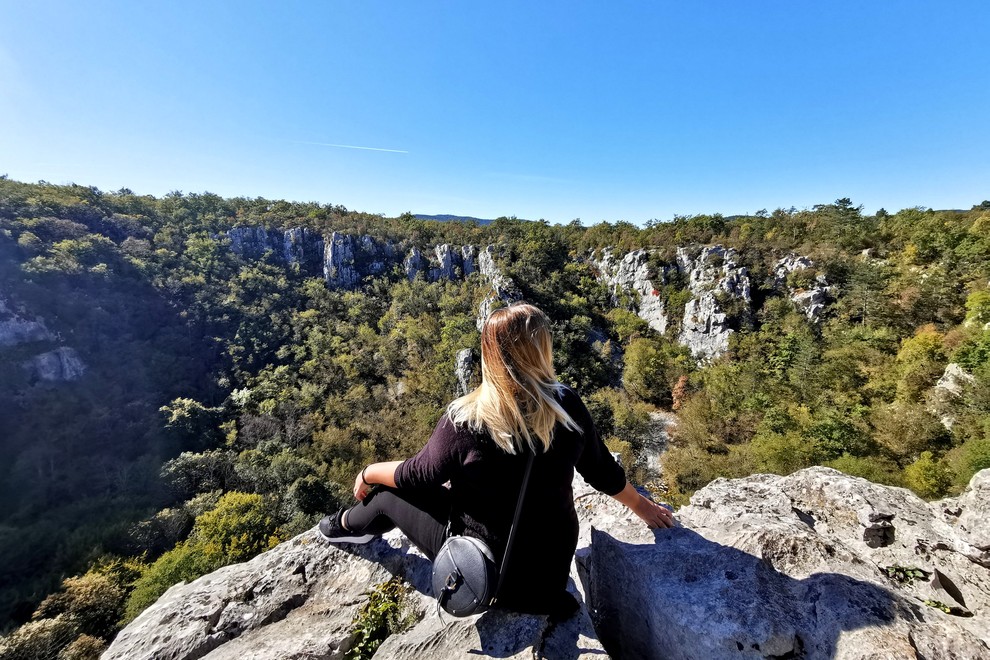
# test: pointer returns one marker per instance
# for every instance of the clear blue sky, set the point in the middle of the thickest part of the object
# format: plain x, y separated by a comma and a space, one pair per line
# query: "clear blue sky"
555, 110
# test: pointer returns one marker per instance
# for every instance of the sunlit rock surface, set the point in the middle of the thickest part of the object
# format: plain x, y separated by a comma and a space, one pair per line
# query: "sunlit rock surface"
945, 397
760, 567
464, 370
797, 567
632, 273
812, 299
715, 280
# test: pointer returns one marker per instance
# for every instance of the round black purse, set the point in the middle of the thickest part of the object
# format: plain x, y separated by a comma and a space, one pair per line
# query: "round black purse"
465, 578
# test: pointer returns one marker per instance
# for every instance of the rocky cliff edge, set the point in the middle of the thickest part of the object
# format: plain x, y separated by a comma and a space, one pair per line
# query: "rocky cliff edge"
813, 565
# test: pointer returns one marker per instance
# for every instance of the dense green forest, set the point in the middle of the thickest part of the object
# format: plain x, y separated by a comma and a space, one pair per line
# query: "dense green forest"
227, 397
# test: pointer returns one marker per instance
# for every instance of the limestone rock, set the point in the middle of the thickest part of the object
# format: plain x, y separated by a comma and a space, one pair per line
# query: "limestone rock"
450, 264
944, 397
795, 566
503, 289
760, 567
15, 329
714, 277
469, 257
414, 263
464, 370
632, 273
294, 246
811, 300
339, 270
970, 513
446, 263
249, 242
954, 380
61, 364
300, 245
299, 599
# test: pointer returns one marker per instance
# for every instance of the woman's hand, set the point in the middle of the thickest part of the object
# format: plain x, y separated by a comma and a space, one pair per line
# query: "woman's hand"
361, 488
654, 515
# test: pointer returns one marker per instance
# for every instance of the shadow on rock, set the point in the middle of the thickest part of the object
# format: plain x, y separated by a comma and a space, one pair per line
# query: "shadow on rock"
700, 599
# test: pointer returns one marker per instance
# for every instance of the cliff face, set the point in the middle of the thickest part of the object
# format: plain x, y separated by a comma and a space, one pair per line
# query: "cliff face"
345, 260
18, 327
813, 565
714, 277
15, 329
632, 273
719, 286
720, 291
810, 299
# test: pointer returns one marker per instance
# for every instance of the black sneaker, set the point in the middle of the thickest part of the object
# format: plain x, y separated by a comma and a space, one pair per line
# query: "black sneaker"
333, 531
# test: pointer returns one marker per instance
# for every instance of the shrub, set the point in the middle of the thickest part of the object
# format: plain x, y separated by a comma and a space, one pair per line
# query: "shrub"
83, 648
975, 455
313, 495
907, 429
782, 453
93, 602
874, 469
38, 640
645, 374
928, 477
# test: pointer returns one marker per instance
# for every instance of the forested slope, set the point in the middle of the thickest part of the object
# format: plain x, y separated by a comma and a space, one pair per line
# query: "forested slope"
218, 386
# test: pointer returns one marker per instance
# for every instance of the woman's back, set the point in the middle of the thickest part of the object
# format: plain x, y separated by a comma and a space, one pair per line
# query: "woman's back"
484, 486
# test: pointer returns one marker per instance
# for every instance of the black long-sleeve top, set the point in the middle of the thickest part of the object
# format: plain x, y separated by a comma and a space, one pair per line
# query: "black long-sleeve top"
484, 487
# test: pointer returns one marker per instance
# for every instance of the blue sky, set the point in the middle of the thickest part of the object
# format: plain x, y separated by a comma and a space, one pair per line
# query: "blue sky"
556, 110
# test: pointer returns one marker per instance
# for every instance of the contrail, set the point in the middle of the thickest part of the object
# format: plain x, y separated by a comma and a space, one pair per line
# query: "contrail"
351, 146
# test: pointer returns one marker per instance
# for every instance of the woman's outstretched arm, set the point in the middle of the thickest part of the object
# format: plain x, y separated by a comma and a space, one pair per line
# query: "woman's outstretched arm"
376, 473
652, 513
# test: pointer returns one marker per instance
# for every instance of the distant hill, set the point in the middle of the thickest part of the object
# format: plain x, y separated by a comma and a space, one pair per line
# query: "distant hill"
453, 218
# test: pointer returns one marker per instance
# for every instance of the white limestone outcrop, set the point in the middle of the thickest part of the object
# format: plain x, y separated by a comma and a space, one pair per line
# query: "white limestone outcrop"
945, 398
60, 364
15, 329
816, 564
811, 300
632, 273
812, 565
714, 279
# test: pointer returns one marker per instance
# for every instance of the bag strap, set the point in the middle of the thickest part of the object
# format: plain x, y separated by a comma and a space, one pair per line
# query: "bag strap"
515, 526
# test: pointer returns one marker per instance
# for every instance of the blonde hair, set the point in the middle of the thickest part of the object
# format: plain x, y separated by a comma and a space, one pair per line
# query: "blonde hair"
516, 400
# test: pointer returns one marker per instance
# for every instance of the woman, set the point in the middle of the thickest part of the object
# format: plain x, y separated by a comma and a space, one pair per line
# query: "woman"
480, 448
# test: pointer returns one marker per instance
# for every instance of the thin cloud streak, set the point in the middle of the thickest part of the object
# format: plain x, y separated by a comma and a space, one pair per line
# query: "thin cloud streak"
351, 146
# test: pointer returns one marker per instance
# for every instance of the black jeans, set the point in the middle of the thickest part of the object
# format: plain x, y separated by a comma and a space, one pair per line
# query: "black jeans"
421, 515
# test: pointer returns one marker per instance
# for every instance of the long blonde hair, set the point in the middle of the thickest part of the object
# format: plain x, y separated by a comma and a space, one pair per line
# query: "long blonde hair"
516, 400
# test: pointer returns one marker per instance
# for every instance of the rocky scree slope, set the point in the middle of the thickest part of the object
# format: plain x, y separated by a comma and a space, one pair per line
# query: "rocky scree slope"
816, 564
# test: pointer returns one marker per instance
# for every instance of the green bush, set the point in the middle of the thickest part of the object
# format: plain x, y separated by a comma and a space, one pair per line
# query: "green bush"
782, 453
874, 469
928, 477
93, 602
241, 526
39, 640
84, 647
975, 457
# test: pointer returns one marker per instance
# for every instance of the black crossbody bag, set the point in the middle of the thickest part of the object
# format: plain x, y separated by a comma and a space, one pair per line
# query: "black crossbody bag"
465, 578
